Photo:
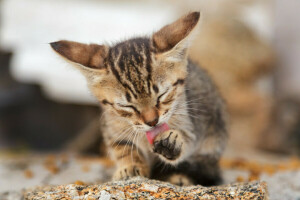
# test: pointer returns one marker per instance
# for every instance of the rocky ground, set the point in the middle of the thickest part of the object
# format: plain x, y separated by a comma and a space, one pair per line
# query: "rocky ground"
27, 171
143, 188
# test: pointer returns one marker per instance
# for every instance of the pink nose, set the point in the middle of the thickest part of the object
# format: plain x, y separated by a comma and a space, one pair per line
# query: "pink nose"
150, 116
152, 123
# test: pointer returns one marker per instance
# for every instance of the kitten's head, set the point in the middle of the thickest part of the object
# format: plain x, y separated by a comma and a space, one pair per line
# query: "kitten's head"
139, 80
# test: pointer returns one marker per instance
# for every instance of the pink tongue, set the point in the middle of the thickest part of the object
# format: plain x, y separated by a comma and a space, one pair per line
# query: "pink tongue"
155, 131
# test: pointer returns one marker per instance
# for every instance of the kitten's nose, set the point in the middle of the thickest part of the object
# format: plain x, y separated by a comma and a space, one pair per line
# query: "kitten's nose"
150, 116
152, 123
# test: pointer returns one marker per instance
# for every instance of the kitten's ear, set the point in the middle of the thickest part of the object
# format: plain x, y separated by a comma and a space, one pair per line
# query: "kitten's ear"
89, 55
179, 31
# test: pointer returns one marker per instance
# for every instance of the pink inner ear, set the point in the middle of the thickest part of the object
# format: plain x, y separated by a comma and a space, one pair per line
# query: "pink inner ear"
155, 131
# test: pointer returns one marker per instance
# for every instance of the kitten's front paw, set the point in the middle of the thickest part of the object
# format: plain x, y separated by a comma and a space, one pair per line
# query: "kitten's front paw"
168, 144
130, 171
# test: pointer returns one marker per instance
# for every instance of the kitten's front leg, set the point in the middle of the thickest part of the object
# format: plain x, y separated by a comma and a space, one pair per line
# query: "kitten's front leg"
129, 162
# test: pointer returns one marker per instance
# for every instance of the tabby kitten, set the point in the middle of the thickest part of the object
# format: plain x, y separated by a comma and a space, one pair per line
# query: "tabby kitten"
147, 84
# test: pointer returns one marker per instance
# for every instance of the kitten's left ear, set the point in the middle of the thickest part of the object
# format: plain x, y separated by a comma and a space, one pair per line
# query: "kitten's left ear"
175, 37
88, 56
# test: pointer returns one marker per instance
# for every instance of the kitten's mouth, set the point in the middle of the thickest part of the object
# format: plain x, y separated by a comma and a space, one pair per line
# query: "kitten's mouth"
152, 133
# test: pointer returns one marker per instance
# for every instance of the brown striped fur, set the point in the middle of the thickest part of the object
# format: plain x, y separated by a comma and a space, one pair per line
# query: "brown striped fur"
147, 81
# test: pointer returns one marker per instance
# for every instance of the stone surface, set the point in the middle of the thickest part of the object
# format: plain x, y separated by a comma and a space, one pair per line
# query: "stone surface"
142, 188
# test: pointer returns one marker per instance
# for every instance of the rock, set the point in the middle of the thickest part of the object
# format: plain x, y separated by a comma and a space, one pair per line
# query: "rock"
142, 188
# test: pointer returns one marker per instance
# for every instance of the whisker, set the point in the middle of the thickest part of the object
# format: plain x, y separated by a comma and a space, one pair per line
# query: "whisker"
179, 108
195, 110
191, 103
132, 145
196, 99
137, 141
123, 135
188, 115
131, 134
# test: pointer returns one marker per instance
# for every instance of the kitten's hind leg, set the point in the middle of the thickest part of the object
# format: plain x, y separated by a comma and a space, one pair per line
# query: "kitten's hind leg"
205, 172
166, 172
180, 179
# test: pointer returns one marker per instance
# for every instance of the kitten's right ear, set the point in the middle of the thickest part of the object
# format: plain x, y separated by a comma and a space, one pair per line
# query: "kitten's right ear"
91, 56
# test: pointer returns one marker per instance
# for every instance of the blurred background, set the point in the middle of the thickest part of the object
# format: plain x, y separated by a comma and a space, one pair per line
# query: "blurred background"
251, 48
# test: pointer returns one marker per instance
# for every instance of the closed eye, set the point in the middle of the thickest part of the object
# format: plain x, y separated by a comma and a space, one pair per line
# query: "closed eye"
170, 98
124, 113
160, 96
168, 101
130, 106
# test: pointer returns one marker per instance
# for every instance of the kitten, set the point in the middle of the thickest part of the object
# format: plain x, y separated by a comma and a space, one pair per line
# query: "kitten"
148, 82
